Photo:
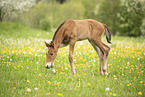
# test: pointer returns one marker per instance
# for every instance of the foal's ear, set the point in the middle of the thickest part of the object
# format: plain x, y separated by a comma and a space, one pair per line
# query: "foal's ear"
47, 44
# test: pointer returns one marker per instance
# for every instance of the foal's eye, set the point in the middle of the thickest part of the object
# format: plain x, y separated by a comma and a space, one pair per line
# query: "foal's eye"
51, 54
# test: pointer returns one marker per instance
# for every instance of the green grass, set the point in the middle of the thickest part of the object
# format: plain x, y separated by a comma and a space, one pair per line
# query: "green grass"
23, 74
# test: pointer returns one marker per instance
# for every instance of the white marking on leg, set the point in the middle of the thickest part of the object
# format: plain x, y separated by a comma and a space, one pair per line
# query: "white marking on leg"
105, 67
73, 69
101, 60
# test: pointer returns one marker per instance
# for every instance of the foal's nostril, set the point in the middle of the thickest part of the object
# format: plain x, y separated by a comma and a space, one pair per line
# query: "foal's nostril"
47, 67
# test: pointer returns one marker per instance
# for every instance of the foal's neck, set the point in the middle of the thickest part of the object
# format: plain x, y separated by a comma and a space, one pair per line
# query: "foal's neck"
57, 41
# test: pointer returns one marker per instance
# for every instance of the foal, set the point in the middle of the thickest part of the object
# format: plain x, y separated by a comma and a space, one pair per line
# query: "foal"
71, 31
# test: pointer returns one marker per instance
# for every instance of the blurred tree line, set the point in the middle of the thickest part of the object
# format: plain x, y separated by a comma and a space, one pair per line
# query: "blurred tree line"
123, 17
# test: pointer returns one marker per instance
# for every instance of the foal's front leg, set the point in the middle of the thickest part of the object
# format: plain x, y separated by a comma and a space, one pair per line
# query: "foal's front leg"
71, 58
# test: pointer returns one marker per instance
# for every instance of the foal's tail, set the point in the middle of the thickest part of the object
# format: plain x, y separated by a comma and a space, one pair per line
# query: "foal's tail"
108, 34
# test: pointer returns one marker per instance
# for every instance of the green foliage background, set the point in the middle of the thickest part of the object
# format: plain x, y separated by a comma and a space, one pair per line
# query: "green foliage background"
123, 17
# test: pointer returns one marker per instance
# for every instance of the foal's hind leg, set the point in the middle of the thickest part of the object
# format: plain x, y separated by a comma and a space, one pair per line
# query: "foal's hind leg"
103, 51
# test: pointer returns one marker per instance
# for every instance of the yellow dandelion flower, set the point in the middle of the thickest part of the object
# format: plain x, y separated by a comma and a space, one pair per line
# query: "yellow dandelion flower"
49, 82
59, 94
141, 81
128, 85
114, 94
48, 93
110, 93
15, 67
139, 93
88, 84
114, 75
40, 74
78, 81
28, 81
57, 83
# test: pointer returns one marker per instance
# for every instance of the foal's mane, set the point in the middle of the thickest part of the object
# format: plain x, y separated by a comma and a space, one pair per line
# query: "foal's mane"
57, 30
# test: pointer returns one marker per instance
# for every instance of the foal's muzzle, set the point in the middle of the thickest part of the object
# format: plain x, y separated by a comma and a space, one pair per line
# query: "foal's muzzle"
48, 65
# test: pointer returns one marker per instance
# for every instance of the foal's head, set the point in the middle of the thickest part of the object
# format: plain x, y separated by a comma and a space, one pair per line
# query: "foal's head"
50, 55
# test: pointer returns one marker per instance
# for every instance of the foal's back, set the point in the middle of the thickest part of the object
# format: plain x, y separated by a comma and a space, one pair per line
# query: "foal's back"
85, 29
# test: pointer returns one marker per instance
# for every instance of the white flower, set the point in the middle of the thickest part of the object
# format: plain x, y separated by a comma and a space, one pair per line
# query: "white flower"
36, 88
28, 90
107, 89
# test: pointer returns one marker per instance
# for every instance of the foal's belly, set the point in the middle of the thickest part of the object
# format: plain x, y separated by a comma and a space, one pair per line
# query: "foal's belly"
82, 35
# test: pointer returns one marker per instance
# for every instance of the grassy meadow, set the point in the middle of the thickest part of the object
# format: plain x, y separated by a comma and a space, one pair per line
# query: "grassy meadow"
23, 72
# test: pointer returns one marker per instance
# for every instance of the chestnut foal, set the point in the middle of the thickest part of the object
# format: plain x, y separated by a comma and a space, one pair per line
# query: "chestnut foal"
71, 31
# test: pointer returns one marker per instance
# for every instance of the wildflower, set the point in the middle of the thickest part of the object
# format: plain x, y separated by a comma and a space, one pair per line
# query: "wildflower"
28, 90
48, 93
114, 94
15, 67
36, 88
141, 81
139, 93
128, 85
14, 87
115, 78
114, 75
110, 93
88, 84
107, 89
78, 81
28, 81
57, 83
49, 82
59, 94
40, 74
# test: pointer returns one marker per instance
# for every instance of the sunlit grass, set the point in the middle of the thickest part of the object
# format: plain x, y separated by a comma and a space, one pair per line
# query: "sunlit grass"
22, 70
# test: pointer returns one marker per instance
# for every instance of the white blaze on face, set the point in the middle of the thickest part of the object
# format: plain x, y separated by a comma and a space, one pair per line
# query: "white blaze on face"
48, 65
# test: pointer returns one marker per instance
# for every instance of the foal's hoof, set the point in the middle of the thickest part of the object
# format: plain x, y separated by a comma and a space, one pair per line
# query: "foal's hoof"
101, 73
